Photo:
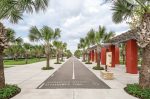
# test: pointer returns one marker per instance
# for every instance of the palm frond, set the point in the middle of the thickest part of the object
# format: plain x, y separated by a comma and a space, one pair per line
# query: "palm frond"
19, 40
57, 33
91, 36
35, 34
108, 36
100, 34
122, 10
10, 35
13, 9
40, 5
47, 33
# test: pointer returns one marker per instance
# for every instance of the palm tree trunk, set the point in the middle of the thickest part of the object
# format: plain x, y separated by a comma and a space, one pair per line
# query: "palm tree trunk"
47, 60
3, 45
39, 58
83, 57
47, 51
144, 79
62, 57
26, 59
57, 55
123, 58
89, 57
98, 56
2, 78
98, 59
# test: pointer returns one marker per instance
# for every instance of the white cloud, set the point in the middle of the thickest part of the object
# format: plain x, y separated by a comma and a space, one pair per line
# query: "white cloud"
74, 17
26, 40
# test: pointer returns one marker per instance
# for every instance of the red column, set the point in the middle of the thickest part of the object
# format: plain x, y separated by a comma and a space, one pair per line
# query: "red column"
95, 55
92, 55
103, 56
131, 57
117, 61
112, 49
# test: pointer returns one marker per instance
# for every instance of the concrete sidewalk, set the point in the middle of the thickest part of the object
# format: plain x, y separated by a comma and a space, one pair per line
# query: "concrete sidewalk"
121, 79
29, 77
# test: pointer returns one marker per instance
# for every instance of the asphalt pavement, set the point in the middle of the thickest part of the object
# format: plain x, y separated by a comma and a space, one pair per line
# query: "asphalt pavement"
73, 74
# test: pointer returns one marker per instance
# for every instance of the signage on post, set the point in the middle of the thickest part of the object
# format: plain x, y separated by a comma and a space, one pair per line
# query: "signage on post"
109, 59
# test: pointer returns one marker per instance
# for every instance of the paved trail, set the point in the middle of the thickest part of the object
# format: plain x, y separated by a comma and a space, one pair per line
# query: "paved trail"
73, 74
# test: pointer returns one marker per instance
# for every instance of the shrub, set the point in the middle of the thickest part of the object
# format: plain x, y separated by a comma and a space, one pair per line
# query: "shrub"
57, 63
47, 68
137, 91
62, 60
88, 63
9, 91
139, 67
98, 68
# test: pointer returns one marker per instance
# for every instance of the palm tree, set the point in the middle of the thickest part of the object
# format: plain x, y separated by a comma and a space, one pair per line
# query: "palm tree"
68, 53
10, 35
15, 48
90, 40
17, 44
125, 9
91, 37
77, 53
45, 35
123, 52
27, 50
99, 38
37, 51
13, 11
64, 47
3, 45
57, 45
88, 51
82, 45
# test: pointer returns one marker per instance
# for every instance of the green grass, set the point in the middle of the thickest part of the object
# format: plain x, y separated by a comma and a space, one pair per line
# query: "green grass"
21, 61
8, 66
88, 62
137, 91
98, 68
9, 91
45, 68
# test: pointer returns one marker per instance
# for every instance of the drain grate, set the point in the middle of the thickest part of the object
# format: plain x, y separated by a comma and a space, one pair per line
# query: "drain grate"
74, 84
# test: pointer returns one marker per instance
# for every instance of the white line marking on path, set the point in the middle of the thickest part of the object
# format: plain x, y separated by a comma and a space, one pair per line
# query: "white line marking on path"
73, 74
52, 75
41, 85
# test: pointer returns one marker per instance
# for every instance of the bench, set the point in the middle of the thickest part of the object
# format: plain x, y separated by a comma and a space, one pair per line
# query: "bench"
107, 75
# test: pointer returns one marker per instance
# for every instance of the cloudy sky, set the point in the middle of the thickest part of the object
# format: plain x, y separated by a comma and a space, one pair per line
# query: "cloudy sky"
74, 17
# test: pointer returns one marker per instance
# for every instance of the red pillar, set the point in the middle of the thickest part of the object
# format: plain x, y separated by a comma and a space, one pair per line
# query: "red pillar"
103, 56
95, 55
131, 57
112, 49
92, 55
117, 61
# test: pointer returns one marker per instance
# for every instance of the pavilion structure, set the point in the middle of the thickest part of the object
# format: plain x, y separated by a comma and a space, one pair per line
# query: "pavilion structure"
131, 49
